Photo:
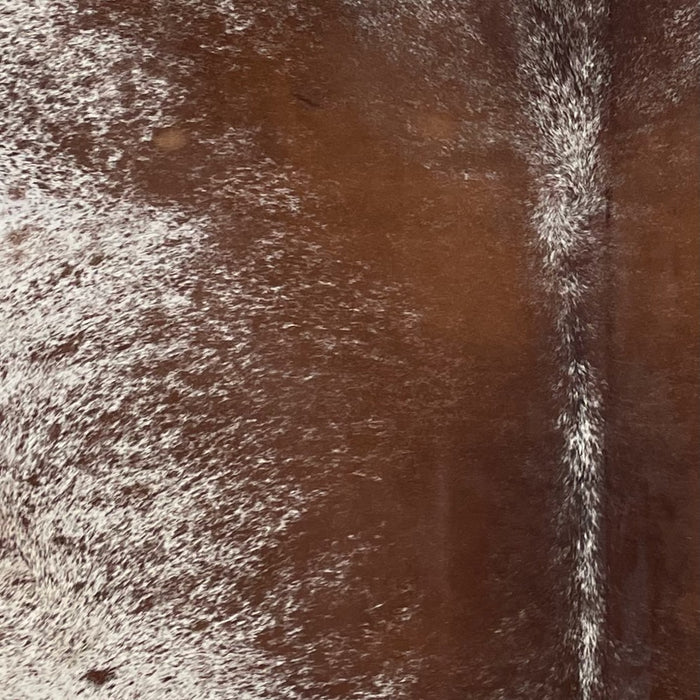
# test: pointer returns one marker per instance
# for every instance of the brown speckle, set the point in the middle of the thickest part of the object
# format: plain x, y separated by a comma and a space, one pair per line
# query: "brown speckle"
170, 139
99, 676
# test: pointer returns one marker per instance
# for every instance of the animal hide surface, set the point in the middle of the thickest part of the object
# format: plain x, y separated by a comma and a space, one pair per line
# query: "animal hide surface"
348, 350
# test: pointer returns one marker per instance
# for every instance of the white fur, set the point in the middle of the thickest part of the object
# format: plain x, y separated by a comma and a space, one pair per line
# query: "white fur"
566, 106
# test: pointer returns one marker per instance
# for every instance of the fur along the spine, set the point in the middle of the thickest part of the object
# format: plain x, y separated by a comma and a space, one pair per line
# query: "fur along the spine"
565, 70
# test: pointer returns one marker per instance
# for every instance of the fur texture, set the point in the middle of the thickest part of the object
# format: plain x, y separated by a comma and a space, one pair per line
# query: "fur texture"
208, 405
